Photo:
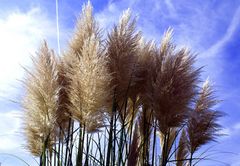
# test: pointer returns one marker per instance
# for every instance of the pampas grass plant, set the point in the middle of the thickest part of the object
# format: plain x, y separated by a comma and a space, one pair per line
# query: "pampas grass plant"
117, 101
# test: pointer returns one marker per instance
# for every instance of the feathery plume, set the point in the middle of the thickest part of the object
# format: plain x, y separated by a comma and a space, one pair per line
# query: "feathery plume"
87, 71
202, 126
86, 27
89, 89
40, 102
174, 86
146, 62
121, 49
63, 114
166, 45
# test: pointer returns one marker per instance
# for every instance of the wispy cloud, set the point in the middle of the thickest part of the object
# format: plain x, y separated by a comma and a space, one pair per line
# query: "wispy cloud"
171, 8
218, 46
12, 140
10, 130
230, 132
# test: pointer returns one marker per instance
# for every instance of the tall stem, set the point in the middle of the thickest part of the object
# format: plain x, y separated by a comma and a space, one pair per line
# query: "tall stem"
59, 149
41, 161
154, 142
55, 153
71, 144
78, 160
190, 160
81, 145
111, 133
67, 144
62, 159
164, 150
87, 151
131, 123
114, 138
121, 145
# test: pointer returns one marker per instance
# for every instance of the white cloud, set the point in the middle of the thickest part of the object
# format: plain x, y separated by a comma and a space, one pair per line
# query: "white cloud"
20, 36
108, 16
10, 130
171, 8
226, 132
12, 140
231, 131
237, 126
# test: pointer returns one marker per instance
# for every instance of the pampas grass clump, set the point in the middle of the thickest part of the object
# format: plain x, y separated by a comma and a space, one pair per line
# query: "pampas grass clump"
117, 101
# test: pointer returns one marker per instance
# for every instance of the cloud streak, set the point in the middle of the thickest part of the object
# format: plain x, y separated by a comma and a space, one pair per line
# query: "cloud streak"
217, 47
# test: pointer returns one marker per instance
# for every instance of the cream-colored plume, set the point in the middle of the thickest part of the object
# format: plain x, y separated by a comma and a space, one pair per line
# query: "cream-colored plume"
86, 27
40, 101
89, 89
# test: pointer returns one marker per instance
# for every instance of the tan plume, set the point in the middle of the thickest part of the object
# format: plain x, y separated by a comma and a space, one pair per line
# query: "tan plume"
86, 26
202, 125
122, 46
173, 86
40, 101
89, 89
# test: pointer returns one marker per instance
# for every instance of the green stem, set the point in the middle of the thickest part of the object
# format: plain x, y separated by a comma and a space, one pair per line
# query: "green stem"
78, 160
41, 161
111, 133
121, 145
62, 159
163, 150
131, 123
67, 145
87, 151
55, 154
166, 150
154, 142
114, 138
191, 158
58, 151
71, 144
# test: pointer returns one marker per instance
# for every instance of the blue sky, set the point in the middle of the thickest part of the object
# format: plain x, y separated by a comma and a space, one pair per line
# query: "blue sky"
211, 28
